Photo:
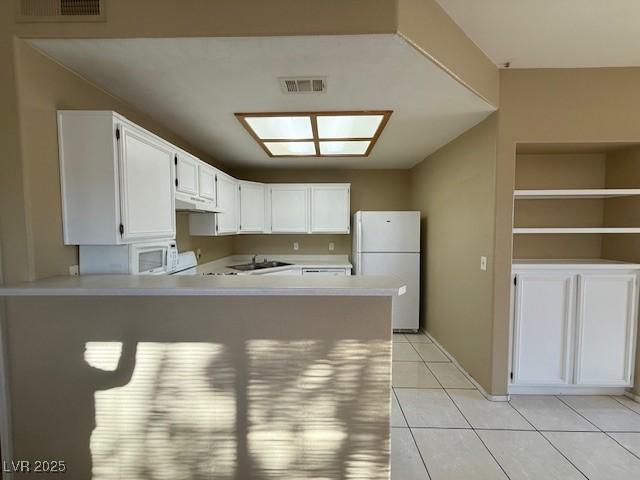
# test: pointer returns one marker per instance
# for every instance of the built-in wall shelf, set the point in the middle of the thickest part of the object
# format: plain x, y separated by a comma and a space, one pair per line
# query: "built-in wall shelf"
576, 193
556, 230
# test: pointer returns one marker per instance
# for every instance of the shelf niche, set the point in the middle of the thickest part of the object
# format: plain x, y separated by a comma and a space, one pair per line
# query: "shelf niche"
577, 201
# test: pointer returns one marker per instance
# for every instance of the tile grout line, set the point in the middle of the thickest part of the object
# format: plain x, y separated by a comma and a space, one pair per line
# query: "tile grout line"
472, 427
599, 429
476, 430
477, 435
562, 454
559, 397
625, 406
412, 436
541, 433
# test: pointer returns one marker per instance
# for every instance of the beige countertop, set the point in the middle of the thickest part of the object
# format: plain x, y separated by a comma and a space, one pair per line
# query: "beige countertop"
236, 285
581, 263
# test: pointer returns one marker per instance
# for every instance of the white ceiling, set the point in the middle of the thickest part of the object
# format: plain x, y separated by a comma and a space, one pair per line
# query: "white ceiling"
194, 86
552, 33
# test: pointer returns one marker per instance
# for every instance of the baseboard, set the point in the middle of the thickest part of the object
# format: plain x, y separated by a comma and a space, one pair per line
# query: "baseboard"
632, 396
564, 390
488, 396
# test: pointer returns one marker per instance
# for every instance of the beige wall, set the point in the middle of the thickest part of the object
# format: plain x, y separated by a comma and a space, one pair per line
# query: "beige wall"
370, 190
425, 24
211, 248
454, 190
623, 171
549, 171
44, 87
16, 252
260, 377
550, 106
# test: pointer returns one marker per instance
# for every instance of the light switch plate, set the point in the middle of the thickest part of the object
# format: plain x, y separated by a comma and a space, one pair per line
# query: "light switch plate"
332, 246
483, 264
296, 246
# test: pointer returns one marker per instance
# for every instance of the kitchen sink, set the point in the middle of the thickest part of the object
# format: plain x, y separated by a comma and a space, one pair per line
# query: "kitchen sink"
259, 265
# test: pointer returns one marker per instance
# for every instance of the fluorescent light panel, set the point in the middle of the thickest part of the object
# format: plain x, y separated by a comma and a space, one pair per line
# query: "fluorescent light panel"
306, 134
291, 149
281, 128
357, 147
348, 126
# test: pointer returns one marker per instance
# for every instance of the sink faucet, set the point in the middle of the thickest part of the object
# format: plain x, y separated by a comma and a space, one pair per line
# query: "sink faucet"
253, 259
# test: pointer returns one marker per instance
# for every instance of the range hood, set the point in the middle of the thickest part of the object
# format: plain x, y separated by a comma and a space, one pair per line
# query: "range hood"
193, 203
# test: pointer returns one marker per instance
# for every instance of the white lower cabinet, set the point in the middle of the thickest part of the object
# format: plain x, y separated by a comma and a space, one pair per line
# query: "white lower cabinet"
606, 322
574, 326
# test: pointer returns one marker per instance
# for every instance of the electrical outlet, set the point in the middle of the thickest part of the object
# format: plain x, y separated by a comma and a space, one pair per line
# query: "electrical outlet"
332, 246
296, 246
483, 264
198, 253
74, 270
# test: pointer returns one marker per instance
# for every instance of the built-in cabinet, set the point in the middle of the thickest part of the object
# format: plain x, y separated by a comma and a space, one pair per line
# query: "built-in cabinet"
574, 324
252, 207
117, 180
330, 208
123, 184
289, 208
195, 183
309, 208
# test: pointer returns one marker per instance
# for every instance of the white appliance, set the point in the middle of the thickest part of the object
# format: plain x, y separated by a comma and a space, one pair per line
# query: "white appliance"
148, 258
388, 243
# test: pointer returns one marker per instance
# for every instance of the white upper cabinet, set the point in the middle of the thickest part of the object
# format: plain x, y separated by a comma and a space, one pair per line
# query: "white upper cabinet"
605, 328
252, 207
186, 173
227, 221
289, 208
207, 182
117, 180
330, 208
195, 183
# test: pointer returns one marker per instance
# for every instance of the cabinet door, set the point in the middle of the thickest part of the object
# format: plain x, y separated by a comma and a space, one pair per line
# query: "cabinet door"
251, 207
207, 181
227, 220
543, 324
186, 173
146, 186
330, 208
289, 208
605, 328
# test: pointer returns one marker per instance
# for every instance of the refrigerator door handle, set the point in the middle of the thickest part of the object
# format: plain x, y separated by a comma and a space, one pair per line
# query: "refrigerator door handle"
359, 264
358, 234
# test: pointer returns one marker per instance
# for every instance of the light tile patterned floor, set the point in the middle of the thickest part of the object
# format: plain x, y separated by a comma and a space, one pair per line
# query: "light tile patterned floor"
444, 429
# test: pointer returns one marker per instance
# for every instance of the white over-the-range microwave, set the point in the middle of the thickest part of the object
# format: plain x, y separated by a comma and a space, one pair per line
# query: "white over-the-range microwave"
149, 258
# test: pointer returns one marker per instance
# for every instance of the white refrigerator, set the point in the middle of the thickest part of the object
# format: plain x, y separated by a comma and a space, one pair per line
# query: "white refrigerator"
388, 243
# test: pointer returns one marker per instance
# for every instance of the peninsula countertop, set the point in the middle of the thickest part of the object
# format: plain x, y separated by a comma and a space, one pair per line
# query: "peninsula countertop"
239, 285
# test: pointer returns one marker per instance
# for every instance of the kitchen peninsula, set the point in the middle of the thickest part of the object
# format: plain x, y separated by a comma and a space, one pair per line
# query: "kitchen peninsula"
254, 370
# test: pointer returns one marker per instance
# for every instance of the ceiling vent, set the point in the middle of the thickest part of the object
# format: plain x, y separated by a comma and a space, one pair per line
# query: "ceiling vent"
61, 10
303, 85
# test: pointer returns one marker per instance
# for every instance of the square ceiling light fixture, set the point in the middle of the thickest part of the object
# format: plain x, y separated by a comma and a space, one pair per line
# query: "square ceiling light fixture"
316, 134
